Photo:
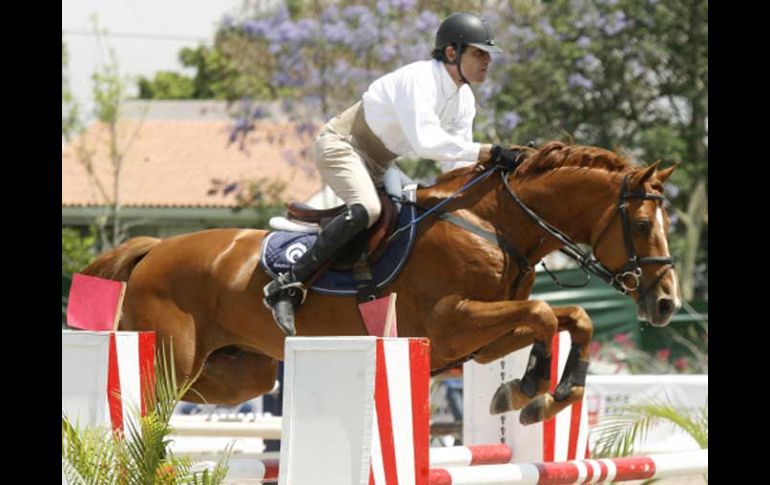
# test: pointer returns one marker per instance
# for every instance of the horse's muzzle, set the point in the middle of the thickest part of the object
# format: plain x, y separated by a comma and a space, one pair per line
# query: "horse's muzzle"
657, 308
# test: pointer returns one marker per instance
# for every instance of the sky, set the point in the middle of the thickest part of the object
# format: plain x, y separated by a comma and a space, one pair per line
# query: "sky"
146, 36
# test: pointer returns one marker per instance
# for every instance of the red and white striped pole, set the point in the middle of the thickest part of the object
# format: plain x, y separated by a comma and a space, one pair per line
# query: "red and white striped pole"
579, 471
472, 455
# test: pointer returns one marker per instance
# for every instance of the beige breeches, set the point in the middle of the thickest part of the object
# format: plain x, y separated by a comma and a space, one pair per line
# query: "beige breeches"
347, 169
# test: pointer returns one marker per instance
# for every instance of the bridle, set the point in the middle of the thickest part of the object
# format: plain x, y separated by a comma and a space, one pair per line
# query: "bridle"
628, 277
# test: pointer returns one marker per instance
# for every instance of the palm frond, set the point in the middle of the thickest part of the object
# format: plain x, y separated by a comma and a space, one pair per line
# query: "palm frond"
87, 454
140, 454
620, 434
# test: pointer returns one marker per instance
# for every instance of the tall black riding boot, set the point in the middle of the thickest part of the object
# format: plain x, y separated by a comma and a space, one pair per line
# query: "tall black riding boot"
286, 292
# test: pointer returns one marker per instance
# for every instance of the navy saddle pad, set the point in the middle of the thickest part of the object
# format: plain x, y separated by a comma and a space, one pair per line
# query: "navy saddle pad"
280, 249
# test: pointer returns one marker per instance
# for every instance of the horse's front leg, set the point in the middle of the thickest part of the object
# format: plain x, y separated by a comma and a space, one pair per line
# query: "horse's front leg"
571, 387
493, 329
517, 393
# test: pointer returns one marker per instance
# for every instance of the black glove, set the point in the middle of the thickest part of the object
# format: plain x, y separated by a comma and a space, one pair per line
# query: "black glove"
506, 158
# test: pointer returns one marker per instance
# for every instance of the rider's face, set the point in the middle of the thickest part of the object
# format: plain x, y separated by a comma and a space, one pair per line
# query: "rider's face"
474, 63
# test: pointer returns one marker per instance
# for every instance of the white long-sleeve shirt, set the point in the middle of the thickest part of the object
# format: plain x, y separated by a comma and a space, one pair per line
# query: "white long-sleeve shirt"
418, 110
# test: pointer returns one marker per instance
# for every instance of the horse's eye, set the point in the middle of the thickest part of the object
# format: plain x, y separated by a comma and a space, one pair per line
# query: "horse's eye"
642, 226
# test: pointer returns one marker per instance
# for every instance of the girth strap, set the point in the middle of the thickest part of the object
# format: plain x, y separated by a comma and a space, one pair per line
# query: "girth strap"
521, 261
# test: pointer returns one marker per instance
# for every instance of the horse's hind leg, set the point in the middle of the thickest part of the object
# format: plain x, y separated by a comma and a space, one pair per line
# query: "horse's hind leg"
231, 376
572, 384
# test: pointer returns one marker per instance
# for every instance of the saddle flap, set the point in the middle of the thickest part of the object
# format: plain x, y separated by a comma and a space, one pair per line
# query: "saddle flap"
385, 225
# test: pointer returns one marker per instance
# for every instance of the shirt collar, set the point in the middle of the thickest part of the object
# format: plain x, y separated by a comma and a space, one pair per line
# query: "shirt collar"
448, 86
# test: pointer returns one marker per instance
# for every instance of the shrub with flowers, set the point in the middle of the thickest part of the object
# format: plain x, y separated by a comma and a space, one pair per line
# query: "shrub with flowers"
621, 355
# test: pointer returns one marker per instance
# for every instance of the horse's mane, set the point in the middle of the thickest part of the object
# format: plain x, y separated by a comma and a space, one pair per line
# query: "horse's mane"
556, 154
553, 155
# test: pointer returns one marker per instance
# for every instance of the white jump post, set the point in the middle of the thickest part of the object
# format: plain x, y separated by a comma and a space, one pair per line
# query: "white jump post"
355, 409
105, 374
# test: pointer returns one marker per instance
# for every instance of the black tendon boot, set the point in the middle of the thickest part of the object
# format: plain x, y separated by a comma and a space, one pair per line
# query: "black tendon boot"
286, 292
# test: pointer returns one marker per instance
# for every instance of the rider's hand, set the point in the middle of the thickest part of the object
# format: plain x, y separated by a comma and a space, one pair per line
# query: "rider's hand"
504, 157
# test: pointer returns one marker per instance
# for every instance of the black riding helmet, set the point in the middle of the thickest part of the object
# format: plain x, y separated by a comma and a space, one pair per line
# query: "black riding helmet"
462, 29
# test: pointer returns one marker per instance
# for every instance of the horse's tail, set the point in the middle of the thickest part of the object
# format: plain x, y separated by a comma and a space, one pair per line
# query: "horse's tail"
118, 262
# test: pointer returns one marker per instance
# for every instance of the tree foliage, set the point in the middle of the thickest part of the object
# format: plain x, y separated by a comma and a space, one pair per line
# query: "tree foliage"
70, 114
627, 75
77, 250
109, 93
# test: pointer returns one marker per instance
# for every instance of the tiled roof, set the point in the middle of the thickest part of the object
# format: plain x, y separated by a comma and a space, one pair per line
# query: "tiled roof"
183, 163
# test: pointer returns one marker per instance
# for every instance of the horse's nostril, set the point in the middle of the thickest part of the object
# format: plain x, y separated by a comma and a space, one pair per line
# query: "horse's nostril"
665, 306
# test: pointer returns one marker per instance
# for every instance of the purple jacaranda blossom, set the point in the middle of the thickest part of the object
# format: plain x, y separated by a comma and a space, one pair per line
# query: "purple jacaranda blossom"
330, 14
548, 28
305, 128
577, 80
403, 5
636, 68
427, 21
309, 26
227, 22
527, 34
673, 220
584, 41
600, 22
387, 52
386, 6
259, 113
488, 89
256, 28
589, 62
242, 126
510, 120
356, 12
414, 52
337, 33
289, 33
671, 190
616, 23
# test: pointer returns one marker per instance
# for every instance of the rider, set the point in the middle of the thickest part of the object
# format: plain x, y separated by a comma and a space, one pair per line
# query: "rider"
425, 109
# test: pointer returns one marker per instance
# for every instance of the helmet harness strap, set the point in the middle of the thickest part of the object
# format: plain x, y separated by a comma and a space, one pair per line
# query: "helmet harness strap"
458, 59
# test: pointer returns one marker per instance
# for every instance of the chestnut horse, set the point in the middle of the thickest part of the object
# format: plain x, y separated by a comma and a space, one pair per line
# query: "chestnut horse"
464, 290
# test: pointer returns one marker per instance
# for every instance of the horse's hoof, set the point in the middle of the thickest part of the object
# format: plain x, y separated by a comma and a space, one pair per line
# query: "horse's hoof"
508, 397
501, 401
534, 411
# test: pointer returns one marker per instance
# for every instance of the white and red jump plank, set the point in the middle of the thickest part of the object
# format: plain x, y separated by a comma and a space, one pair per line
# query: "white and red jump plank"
105, 375
578, 471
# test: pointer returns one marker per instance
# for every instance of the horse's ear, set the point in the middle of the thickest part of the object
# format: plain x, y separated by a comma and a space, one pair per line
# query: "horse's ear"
663, 175
643, 174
